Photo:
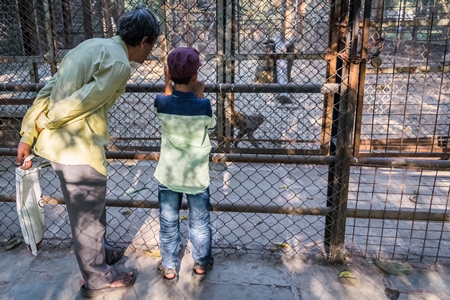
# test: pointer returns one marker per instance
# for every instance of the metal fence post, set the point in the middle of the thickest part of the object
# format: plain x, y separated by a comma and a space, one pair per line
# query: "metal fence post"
343, 42
51, 40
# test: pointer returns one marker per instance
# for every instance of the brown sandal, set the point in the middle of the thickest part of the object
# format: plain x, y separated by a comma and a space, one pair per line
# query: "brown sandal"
88, 293
205, 268
163, 272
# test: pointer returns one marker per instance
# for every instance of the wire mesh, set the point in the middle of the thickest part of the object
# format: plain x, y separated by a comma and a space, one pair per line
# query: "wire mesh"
249, 49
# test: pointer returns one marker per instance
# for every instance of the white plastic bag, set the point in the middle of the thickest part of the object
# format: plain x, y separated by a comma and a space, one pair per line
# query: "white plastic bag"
30, 206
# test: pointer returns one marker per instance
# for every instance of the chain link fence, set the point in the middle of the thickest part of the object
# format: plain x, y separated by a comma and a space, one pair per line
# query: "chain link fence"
332, 118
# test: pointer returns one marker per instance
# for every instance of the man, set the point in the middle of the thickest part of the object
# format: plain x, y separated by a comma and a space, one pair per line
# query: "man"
68, 124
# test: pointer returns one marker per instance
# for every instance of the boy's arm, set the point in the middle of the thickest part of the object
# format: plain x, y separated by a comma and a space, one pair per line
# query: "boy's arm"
212, 122
198, 89
168, 82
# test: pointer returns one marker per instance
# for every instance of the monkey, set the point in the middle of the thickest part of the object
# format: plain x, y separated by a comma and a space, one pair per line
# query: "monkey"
375, 48
245, 124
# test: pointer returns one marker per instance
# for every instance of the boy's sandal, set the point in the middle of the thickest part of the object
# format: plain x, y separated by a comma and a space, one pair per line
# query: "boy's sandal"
163, 272
205, 268
88, 293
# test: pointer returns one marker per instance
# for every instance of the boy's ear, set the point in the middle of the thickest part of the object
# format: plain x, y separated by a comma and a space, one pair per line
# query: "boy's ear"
194, 77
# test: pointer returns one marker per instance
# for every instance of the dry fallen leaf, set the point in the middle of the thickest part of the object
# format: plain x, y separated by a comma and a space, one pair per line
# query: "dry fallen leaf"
346, 277
132, 191
278, 246
12, 243
183, 218
154, 253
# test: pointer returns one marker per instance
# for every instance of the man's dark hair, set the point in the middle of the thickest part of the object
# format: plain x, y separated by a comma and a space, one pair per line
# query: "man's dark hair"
184, 80
137, 24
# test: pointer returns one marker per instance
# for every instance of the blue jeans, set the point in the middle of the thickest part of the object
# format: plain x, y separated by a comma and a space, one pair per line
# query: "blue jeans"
199, 226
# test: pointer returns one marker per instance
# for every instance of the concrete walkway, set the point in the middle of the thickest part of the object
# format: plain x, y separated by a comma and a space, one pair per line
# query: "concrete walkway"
54, 274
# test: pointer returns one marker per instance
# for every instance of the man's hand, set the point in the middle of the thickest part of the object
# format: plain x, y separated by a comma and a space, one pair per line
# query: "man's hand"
37, 127
23, 150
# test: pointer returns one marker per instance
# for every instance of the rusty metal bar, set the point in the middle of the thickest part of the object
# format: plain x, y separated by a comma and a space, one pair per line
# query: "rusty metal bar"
334, 237
412, 23
441, 155
67, 23
224, 207
401, 215
361, 79
50, 34
107, 18
427, 164
16, 101
209, 88
410, 70
87, 19
214, 157
27, 18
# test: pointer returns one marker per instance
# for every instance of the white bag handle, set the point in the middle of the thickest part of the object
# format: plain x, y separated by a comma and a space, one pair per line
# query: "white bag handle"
27, 159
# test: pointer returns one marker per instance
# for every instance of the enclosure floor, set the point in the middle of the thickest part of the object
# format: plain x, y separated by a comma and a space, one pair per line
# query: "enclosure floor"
54, 274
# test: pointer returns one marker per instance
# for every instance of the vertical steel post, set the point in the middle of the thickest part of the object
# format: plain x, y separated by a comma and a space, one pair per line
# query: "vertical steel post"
107, 17
163, 15
344, 103
226, 32
28, 27
67, 22
362, 77
230, 50
51, 40
87, 19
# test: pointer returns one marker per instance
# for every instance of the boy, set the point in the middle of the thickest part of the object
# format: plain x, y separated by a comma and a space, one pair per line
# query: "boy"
183, 166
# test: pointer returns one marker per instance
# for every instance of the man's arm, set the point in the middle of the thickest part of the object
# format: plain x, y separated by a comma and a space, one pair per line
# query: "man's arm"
28, 130
87, 99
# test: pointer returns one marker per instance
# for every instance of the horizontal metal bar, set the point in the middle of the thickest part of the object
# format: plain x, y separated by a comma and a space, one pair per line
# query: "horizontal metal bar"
410, 70
228, 207
209, 88
274, 56
405, 154
289, 156
17, 101
401, 162
394, 162
236, 88
206, 57
233, 157
405, 23
404, 214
